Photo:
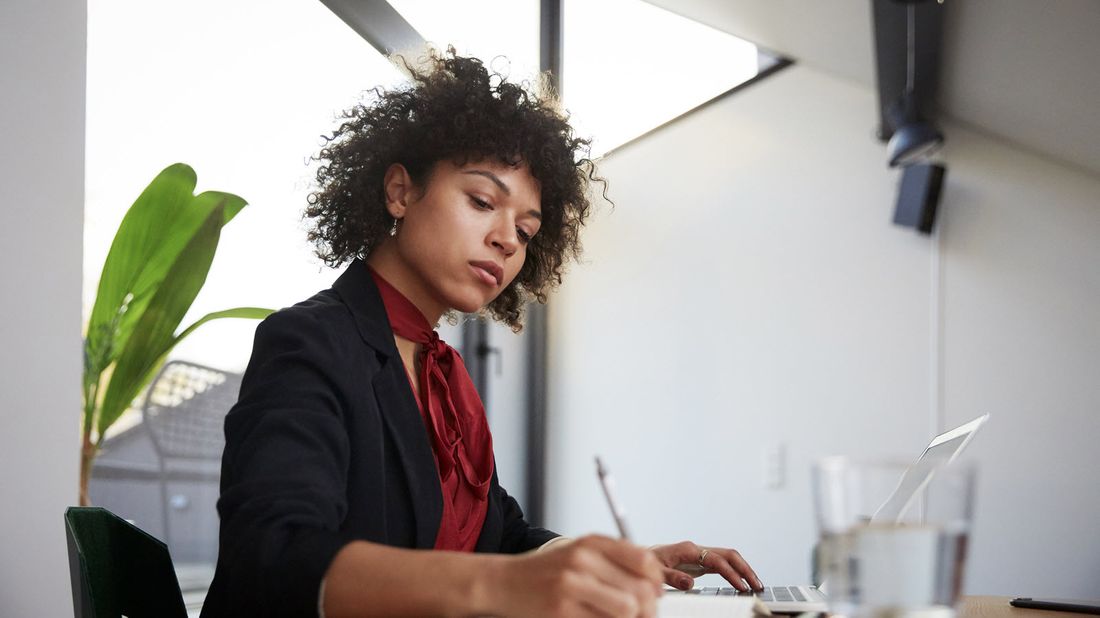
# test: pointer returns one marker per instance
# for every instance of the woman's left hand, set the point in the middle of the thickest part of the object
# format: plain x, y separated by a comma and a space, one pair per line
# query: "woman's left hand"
685, 560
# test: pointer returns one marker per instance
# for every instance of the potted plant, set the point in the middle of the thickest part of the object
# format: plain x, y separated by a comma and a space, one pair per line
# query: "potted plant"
156, 266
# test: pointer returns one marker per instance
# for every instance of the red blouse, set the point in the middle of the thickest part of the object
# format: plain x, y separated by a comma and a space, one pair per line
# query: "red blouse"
455, 418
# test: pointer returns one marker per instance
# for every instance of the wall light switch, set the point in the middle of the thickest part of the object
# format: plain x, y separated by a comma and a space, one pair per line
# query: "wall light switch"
775, 466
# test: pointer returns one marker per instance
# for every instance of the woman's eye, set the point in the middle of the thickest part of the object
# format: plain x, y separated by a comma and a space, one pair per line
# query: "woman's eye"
480, 203
523, 235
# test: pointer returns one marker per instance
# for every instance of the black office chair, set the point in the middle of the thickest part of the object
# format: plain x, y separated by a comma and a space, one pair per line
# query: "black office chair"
119, 570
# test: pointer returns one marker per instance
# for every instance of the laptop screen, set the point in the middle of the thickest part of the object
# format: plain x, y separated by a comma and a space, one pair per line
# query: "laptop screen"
940, 451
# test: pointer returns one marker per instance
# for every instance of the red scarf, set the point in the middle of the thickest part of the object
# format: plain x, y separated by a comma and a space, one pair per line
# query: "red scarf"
456, 422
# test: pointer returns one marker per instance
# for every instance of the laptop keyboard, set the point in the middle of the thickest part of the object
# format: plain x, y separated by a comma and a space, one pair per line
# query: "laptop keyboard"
768, 594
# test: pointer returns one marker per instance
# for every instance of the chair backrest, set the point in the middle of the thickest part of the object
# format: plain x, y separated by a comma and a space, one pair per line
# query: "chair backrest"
185, 409
119, 570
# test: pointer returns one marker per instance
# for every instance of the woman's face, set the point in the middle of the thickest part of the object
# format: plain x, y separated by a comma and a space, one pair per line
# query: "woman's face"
463, 238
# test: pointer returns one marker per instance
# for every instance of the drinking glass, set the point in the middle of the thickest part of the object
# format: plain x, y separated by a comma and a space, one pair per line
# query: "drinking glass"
893, 536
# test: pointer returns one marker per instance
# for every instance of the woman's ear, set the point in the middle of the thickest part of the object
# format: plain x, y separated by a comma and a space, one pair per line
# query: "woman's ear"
398, 186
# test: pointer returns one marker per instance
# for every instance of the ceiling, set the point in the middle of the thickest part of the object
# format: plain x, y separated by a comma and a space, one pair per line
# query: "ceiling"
1025, 70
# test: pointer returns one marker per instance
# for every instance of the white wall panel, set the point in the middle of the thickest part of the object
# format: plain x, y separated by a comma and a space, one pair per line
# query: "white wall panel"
1021, 298
42, 172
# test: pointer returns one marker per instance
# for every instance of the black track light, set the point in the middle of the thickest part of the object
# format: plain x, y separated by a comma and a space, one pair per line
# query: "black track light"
914, 138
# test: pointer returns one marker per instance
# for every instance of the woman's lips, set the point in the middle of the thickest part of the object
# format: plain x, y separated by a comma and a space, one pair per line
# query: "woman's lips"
488, 272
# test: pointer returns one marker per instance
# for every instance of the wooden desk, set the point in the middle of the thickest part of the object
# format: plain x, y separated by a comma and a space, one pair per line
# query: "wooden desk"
998, 607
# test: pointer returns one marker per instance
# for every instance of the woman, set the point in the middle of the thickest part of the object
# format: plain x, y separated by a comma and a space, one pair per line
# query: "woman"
359, 441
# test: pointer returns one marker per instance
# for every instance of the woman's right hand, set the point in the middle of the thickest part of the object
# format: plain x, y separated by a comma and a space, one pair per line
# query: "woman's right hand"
589, 576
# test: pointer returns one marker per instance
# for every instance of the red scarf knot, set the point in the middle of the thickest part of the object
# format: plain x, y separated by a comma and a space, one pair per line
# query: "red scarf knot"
455, 418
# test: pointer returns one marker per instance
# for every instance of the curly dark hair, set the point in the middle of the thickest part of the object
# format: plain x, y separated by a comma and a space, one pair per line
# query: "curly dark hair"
453, 109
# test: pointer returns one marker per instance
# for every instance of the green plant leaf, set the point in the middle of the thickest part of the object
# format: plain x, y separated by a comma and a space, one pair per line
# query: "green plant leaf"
156, 228
161, 202
255, 313
155, 328
154, 273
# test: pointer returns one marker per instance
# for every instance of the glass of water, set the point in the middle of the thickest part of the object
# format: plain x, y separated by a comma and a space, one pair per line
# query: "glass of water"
893, 536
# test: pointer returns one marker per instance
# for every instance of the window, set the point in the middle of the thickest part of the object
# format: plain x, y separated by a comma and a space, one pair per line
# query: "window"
475, 28
629, 67
241, 91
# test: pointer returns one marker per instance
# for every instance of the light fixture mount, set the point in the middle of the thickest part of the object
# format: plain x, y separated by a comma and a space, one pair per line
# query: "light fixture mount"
914, 138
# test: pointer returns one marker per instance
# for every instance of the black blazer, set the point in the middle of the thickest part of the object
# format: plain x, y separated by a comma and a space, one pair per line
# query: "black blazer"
326, 445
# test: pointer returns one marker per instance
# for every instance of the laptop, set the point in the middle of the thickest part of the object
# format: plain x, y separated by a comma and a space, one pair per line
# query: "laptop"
943, 449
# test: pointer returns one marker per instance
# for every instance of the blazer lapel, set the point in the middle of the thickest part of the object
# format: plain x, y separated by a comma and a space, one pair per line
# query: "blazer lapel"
402, 418
395, 401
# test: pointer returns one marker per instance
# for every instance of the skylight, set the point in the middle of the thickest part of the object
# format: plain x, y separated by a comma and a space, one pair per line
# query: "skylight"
629, 66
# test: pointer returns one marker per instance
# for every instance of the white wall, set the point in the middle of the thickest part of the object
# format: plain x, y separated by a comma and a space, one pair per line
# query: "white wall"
42, 172
750, 291
1021, 339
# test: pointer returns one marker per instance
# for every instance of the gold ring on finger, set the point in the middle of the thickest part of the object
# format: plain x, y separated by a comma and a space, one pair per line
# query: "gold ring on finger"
703, 556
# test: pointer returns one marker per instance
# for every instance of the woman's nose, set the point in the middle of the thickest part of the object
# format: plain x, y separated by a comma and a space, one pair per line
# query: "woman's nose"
505, 238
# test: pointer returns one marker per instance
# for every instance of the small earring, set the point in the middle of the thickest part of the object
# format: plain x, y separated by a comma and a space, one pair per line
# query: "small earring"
393, 230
